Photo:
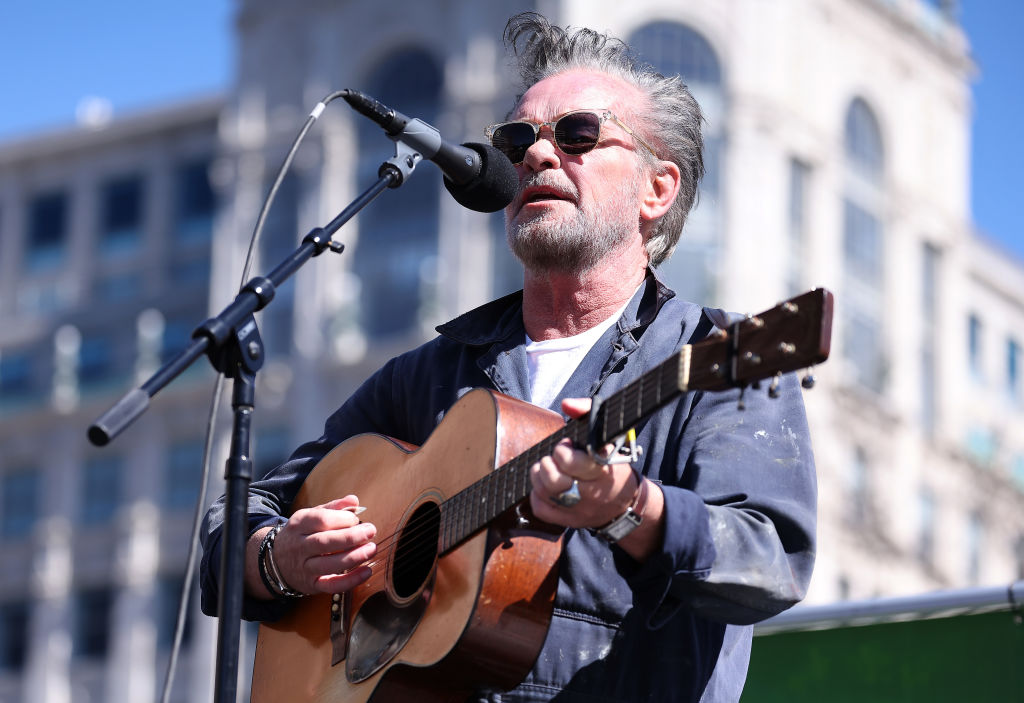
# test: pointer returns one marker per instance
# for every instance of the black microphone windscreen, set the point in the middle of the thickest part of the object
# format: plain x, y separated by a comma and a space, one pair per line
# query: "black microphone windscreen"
493, 188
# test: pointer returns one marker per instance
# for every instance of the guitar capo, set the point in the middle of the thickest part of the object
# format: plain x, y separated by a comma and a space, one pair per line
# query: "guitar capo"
625, 449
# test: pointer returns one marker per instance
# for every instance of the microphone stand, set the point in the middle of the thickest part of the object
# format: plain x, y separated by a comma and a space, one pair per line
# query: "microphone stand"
232, 342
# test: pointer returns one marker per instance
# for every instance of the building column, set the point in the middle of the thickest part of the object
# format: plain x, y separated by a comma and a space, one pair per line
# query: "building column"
130, 666
48, 665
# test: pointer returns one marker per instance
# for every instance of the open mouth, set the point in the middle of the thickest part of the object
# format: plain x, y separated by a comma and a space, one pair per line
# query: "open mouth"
542, 195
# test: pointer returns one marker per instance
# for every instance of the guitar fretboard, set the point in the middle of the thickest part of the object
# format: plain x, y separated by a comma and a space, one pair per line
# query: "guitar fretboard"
479, 504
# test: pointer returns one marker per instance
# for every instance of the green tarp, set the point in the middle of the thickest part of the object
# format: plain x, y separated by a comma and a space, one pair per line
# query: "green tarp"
968, 659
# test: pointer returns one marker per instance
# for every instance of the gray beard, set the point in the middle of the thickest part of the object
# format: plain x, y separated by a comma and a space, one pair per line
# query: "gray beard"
577, 245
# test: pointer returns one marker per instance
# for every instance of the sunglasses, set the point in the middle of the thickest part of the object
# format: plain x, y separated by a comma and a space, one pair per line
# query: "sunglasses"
575, 133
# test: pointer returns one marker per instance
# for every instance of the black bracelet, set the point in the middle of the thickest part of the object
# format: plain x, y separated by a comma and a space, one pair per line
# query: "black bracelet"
269, 572
261, 561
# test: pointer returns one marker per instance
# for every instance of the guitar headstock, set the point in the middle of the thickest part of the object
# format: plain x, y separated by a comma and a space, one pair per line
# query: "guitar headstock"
793, 335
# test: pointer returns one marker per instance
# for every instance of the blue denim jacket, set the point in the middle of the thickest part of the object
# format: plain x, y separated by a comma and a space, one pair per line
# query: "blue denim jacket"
740, 506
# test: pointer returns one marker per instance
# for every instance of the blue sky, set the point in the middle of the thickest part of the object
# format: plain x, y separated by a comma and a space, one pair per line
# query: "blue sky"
54, 53
995, 28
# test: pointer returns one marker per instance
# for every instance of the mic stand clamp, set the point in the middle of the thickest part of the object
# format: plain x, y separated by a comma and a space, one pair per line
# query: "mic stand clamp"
401, 165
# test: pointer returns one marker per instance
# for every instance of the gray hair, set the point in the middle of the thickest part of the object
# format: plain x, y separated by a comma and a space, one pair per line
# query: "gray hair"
671, 124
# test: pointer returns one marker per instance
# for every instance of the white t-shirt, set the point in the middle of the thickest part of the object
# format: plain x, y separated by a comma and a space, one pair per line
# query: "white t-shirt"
552, 361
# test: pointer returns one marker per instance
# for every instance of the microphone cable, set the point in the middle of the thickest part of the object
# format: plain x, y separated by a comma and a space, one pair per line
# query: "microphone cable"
200, 511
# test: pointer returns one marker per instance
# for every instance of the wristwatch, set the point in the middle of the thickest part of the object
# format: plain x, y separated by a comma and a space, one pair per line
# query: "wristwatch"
629, 520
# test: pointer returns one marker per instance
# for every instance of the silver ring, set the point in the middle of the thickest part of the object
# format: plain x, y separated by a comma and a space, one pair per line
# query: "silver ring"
569, 497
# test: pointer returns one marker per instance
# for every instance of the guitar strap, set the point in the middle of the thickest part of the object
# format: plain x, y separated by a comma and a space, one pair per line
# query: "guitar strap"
709, 319
713, 317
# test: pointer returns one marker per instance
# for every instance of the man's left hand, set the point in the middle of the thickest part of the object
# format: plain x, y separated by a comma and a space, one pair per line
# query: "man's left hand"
605, 490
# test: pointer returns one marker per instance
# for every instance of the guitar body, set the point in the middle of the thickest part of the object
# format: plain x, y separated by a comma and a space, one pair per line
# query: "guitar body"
436, 627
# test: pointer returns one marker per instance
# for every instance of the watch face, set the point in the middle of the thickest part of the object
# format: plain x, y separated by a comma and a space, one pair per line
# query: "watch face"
620, 526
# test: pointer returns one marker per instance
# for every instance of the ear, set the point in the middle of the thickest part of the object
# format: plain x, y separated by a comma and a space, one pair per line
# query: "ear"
662, 188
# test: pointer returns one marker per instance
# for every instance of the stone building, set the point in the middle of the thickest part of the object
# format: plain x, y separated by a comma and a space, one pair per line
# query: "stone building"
838, 156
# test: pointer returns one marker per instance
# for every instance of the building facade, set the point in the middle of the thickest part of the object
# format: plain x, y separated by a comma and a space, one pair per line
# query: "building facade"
837, 154
105, 249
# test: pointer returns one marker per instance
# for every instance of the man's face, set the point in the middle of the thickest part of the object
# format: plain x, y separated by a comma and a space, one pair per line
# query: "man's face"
572, 211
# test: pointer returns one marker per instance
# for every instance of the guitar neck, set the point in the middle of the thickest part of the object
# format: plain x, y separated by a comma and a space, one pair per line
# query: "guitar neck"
792, 335
478, 505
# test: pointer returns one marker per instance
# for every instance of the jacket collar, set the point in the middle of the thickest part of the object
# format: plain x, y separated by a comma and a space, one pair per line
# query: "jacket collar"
502, 319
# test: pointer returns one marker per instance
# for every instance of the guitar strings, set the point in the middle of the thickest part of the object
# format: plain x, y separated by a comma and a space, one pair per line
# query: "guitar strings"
459, 507
419, 531
455, 511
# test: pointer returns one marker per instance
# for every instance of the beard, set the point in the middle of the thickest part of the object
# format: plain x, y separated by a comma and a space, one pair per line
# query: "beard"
550, 243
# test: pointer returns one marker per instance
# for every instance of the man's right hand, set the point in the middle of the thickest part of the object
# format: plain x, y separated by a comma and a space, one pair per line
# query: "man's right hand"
319, 550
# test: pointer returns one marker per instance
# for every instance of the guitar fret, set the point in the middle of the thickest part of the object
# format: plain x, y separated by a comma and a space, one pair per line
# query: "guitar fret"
659, 383
459, 522
447, 519
494, 494
442, 540
474, 517
501, 478
456, 518
514, 478
449, 515
639, 407
484, 500
478, 503
467, 512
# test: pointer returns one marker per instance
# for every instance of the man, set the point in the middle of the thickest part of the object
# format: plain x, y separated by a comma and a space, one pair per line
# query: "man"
609, 159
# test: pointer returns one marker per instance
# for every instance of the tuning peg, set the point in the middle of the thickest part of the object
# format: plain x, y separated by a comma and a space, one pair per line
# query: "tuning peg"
808, 380
773, 388
740, 404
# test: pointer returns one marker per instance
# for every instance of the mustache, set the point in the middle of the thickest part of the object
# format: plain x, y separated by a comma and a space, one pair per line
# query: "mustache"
547, 179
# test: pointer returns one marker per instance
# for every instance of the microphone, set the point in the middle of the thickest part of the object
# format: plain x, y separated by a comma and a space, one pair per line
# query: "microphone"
478, 176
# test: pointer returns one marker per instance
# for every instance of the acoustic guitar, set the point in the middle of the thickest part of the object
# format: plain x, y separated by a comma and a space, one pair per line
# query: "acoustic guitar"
464, 578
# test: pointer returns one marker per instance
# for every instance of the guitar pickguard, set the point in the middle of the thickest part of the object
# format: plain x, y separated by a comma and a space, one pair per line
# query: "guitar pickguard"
388, 618
379, 631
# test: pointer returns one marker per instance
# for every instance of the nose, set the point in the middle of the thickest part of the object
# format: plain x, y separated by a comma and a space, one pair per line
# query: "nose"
542, 154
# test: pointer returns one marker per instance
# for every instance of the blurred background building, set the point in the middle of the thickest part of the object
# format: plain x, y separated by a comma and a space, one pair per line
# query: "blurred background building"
838, 156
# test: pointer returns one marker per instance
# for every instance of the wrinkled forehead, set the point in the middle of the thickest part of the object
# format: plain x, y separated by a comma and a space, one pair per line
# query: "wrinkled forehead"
577, 90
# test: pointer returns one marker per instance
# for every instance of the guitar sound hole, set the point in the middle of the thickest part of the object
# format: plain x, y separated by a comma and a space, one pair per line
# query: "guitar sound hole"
416, 550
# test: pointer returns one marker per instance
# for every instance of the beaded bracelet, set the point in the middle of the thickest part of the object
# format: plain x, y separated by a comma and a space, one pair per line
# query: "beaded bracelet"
269, 572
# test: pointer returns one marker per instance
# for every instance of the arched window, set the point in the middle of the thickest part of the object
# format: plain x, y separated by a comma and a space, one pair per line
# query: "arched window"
862, 140
863, 247
675, 49
396, 256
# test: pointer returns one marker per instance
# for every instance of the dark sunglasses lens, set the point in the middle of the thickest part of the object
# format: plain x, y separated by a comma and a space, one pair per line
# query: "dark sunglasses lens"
577, 133
513, 139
